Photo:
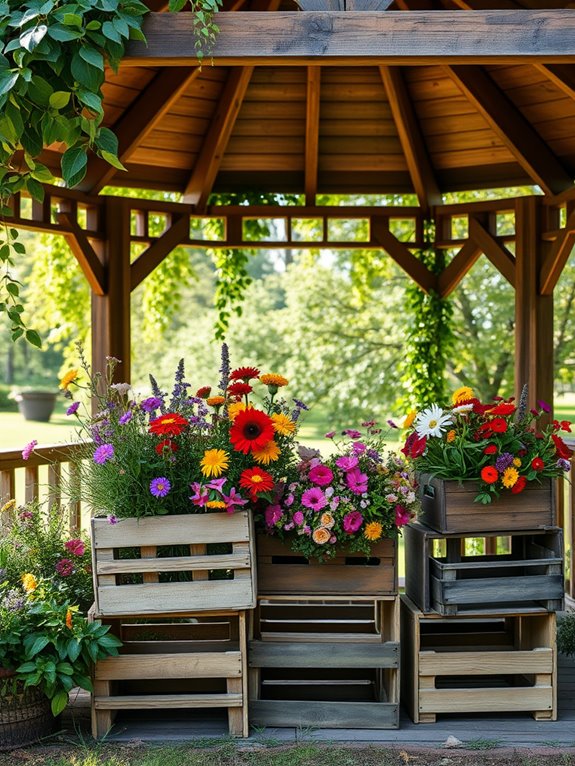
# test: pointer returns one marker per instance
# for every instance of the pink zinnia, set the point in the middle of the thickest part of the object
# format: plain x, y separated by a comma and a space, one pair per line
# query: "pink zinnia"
75, 546
352, 522
402, 516
272, 514
65, 567
29, 449
356, 481
347, 462
314, 498
321, 475
298, 518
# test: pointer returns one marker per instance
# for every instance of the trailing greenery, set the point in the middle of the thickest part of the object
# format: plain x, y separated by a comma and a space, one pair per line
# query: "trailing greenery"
204, 26
566, 633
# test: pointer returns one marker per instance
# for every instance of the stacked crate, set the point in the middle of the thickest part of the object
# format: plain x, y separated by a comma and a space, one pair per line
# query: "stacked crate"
478, 616
177, 591
325, 640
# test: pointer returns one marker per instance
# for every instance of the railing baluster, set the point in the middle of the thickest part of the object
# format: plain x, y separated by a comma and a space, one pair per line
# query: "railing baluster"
55, 484
32, 482
74, 507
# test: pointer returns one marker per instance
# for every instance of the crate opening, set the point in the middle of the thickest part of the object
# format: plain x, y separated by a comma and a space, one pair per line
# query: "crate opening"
362, 561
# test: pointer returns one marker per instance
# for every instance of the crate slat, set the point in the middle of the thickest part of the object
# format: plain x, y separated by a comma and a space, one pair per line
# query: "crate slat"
178, 564
175, 665
329, 715
303, 655
162, 701
481, 663
489, 700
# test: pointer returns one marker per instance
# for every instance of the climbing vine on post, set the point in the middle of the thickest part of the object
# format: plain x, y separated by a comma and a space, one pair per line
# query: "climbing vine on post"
204, 27
431, 337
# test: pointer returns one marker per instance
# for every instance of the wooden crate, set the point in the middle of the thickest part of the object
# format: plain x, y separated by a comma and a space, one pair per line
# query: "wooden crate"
503, 664
449, 507
332, 665
531, 575
133, 574
283, 572
195, 663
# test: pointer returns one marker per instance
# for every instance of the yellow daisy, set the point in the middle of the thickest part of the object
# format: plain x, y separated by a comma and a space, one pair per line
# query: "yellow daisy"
409, 418
283, 424
9, 506
29, 582
461, 394
373, 531
215, 504
234, 408
509, 478
269, 453
68, 378
214, 462
516, 462
272, 379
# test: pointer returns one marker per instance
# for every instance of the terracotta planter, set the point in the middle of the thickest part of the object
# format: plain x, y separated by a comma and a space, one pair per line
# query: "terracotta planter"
36, 405
25, 714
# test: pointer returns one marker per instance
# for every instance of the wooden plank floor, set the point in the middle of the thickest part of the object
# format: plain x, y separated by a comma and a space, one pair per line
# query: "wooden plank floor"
518, 730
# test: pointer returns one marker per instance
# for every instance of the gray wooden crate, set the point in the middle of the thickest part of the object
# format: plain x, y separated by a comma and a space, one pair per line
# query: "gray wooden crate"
530, 576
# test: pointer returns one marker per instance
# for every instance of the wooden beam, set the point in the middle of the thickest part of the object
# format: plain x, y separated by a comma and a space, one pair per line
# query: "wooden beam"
84, 253
411, 138
458, 267
138, 121
557, 257
499, 256
147, 261
210, 157
357, 37
529, 149
403, 256
561, 75
312, 133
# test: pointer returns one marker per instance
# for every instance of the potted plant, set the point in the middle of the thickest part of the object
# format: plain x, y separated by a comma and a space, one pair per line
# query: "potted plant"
36, 404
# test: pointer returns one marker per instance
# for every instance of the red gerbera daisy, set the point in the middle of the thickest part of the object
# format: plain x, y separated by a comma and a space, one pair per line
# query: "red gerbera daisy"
239, 389
204, 392
245, 373
256, 480
170, 424
166, 446
251, 430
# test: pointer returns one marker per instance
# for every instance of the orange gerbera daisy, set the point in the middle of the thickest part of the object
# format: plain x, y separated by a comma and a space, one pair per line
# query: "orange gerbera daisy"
269, 453
215, 401
68, 378
373, 531
273, 380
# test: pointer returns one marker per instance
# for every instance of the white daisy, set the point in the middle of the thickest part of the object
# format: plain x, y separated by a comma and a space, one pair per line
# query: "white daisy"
432, 421
462, 408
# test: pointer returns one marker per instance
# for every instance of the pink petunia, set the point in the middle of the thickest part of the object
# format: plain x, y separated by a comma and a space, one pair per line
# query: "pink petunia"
201, 494
298, 518
356, 481
314, 498
272, 514
321, 475
352, 522
347, 462
402, 516
75, 546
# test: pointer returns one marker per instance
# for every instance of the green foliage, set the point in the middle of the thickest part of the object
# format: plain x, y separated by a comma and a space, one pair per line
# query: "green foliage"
204, 26
566, 634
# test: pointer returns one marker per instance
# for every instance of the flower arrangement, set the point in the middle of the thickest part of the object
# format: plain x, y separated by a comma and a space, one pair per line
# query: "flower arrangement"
353, 498
498, 444
191, 451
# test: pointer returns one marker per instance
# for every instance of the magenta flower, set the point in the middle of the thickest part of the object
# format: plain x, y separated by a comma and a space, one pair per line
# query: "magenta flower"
347, 462
352, 522
314, 498
272, 514
217, 484
201, 495
330, 435
73, 408
358, 448
29, 449
298, 518
111, 519
103, 453
356, 481
160, 486
402, 516
543, 405
65, 567
321, 475
289, 500
352, 433
233, 499
75, 546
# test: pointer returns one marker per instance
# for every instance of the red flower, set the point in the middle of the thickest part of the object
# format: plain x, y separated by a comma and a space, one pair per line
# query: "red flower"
245, 373
498, 425
537, 464
504, 408
491, 449
239, 389
414, 445
170, 424
566, 425
204, 392
484, 432
519, 485
256, 480
251, 430
489, 474
561, 449
166, 445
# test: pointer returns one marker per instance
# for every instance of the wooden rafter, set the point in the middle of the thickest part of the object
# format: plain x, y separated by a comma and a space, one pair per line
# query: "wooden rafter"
84, 253
200, 184
147, 261
529, 149
460, 264
411, 138
312, 133
499, 256
403, 256
139, 120
561, 75
557, 257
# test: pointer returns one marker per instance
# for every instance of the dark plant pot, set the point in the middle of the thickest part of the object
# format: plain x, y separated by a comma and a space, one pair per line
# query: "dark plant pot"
36, 405
25, 714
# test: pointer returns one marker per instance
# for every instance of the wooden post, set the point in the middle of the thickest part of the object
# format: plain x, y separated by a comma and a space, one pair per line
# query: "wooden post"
111, 311
533, 311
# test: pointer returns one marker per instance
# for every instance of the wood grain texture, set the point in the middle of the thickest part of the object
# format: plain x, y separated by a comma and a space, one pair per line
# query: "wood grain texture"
313, 655
329, 715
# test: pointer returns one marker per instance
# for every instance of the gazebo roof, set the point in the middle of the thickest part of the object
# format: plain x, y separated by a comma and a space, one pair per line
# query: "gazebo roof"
360, 126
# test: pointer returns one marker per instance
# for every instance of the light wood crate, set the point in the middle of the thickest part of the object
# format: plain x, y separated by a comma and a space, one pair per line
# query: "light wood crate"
498, 664
449, 507
450, 582
132, 576
283, 572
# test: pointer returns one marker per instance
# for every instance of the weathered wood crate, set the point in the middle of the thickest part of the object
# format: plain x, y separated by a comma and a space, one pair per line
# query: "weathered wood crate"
449, 507
505, 664
332, 665
195, 663
283, 572
173, 564
530, 575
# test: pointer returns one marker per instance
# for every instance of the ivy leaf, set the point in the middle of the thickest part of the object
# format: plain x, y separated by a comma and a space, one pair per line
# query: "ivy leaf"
40, 91
34, 338
33, 37
91, 100
63, 34
112, 160
74, 163
87, 75
137, 34
110, 32
59, 702
72, 20
59, 99
7, 81
107, 141
92, 56
36, 189
176, 5
30, 14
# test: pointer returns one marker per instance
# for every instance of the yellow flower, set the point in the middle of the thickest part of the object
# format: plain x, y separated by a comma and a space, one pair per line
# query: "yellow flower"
235, 408
215, 504
461, 395
69, 619
373, 531
29, 582
271, 379
516, 462
9, 506
509, 478
450, 437
215, 401
214, 462
68, 378
409, 418
283, 424
269, 453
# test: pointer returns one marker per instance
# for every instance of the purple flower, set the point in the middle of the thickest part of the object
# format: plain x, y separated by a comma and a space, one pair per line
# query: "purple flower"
314, 498
298, 518
330, 435
374, 455
356, 481
503, 461
234, 498
347, 462
352, 522
352, 433
65, 567
358, 448
217, 484
321, 475
126, 417
368, 423
563, 465
391, 424
299, 406
160, 486
111, 519
272, 514
103, 453
543, 405
225, 367
73, 408
151, 404
29, 449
